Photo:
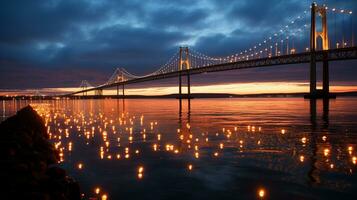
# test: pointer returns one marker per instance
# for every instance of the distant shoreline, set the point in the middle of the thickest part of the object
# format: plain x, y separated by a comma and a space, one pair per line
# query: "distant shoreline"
175, 96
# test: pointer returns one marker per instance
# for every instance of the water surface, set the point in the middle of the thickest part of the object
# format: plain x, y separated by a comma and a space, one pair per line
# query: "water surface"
214, 148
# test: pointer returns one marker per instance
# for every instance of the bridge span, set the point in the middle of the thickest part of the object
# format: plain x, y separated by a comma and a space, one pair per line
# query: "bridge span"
301, 58
278, 49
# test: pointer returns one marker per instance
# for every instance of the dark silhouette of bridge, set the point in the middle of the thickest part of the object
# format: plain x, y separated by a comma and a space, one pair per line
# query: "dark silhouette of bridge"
279, 49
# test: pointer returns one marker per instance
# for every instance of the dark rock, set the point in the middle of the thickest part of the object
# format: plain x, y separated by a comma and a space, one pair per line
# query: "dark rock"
26, 155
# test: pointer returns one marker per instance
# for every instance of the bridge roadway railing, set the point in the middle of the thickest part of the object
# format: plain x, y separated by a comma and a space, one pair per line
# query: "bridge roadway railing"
332, 55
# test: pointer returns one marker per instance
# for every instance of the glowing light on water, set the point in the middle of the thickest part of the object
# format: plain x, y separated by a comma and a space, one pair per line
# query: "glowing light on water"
80, 166
326, 152
140, 175
221, 145
261, 193
104, 197
350, 149
70, 146
190, 167
197, 155
97, 190
302, 158
140, 172
303, 140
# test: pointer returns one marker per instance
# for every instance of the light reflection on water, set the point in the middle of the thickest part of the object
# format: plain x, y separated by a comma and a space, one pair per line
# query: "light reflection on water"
219, 148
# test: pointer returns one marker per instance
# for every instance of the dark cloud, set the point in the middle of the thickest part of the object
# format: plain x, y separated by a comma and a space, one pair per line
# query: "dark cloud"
58, 43
263, 13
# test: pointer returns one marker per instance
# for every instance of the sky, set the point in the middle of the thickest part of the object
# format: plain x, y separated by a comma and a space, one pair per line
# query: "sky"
57, 44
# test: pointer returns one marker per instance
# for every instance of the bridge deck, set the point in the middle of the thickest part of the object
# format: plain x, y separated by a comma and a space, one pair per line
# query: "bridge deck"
332, 55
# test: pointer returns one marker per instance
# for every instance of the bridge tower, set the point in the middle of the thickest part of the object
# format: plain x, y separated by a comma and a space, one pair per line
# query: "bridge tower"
314, 37
184, 64
84, 86
120, 78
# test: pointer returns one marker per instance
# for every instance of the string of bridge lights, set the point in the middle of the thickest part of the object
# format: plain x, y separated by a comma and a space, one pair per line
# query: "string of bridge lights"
85, 84
166, 67
125, 75
245, 54
345, 11
172, 62
266, 46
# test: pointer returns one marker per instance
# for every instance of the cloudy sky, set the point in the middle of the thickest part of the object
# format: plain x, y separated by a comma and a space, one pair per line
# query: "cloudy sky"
57, 43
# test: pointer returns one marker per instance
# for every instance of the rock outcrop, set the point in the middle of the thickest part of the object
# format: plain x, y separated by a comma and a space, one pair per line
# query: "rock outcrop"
28, 161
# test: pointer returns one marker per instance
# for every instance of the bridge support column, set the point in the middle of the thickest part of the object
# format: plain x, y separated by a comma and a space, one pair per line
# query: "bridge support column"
123, 90
188, 86
313, 90
99, 92
312, 50
180, 86
325, 77
117, 91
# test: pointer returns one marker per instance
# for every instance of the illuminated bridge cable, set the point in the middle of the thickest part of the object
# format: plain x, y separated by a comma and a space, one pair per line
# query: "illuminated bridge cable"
280, 42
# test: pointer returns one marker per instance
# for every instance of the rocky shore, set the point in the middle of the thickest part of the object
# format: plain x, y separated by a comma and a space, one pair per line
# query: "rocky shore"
28, 161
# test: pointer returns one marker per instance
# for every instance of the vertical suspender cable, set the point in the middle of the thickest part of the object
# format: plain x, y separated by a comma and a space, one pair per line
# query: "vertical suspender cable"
352, 30
335, 27
343, 31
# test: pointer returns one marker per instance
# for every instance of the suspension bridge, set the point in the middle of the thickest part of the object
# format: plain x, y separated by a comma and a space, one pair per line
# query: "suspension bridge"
284, 47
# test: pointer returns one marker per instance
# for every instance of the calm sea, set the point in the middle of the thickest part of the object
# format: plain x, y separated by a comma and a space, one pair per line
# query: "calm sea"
245, 148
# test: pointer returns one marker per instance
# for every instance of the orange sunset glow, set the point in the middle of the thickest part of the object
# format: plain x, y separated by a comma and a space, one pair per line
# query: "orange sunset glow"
231, 88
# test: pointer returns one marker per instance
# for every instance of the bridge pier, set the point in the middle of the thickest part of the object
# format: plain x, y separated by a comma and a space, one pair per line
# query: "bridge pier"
325, 76
84, 93
180, 86
313, 90
117, 91
123, 90
188, 86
